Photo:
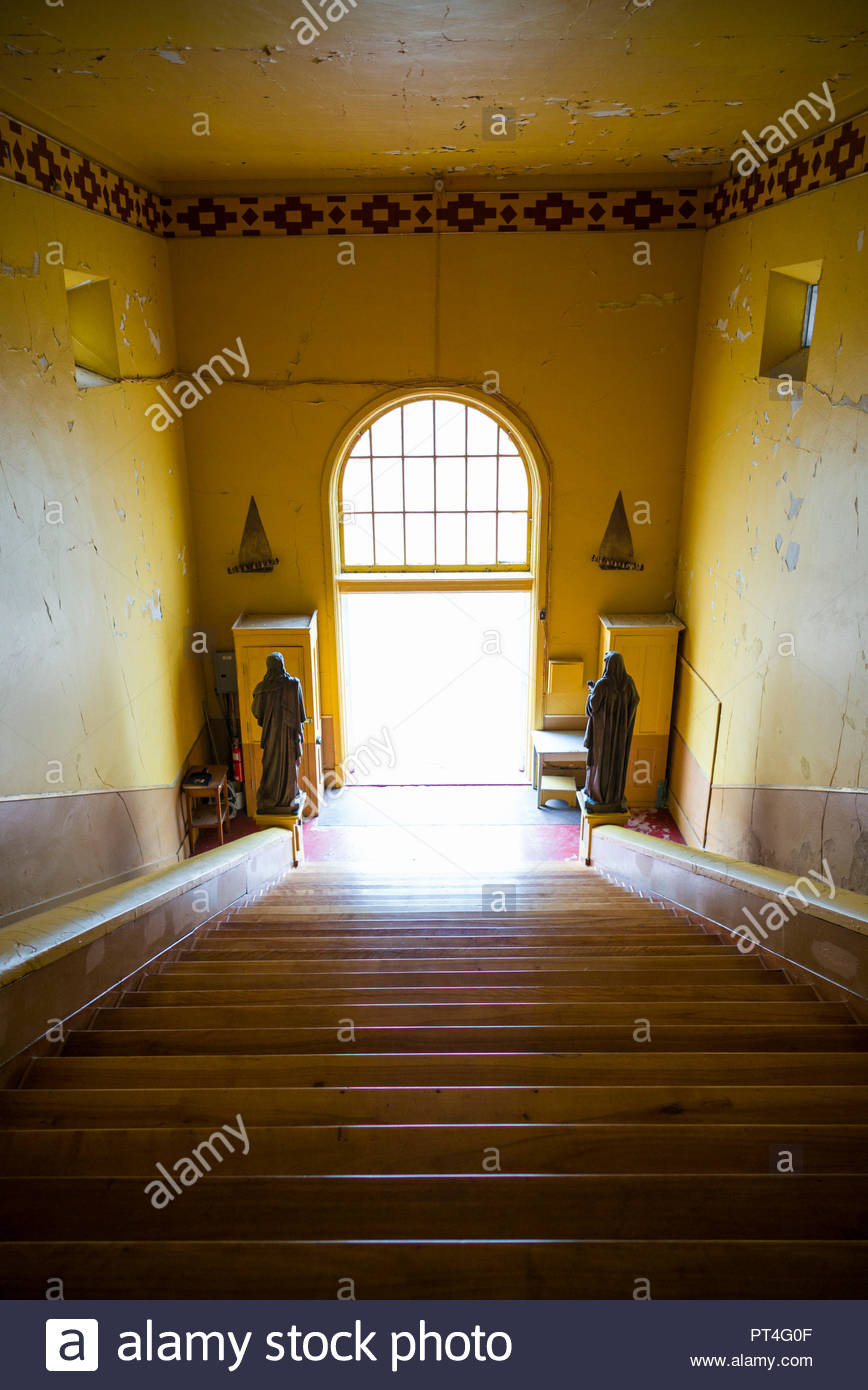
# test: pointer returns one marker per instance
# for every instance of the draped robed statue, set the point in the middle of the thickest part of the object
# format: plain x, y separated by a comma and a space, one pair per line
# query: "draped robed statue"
611, 711
278, 707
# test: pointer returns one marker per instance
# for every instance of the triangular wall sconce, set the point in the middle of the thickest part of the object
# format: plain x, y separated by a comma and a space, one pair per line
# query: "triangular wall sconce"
255, 553
616, 547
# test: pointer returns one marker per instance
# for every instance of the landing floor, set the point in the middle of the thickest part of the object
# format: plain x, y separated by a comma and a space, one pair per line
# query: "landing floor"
443, 828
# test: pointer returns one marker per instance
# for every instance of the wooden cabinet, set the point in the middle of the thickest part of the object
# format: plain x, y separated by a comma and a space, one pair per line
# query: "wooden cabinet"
256, 635
648, 643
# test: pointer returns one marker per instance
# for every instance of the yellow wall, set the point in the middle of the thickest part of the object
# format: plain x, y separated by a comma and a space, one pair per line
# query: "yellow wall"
94, 675
771, 551
594, 350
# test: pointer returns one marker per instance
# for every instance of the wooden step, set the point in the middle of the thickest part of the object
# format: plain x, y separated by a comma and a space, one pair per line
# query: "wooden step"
471, 896
105, 1039
233, 1009
480, 948
376, 962
601, 916
304, 1269
674, 1105
472, 901
282, 986
347, 1068
482, 1207
439, 1149
426, 975
461, 932
267, 974
474, 1033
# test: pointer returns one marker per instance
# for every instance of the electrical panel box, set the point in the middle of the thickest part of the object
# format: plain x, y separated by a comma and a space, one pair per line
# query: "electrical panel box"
225, 674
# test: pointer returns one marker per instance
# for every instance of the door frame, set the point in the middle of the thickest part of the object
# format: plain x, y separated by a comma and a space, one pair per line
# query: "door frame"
534, 580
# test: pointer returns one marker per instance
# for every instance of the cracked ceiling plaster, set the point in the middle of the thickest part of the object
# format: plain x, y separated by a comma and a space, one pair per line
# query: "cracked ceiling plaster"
392, 95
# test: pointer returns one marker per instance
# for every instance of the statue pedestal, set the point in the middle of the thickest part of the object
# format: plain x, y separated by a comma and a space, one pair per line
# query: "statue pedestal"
591, 819
287, 820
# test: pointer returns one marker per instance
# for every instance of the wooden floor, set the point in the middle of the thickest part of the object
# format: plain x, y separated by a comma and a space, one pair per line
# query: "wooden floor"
586, 1098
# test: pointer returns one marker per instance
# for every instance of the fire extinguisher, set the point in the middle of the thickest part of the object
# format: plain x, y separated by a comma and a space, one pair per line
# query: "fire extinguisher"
237, 765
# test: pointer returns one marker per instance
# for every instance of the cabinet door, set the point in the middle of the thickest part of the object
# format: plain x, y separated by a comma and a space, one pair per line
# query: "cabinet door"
650, 660
645, 769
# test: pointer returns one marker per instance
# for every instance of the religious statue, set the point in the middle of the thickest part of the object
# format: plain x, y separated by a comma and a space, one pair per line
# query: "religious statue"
611, 711
278, 706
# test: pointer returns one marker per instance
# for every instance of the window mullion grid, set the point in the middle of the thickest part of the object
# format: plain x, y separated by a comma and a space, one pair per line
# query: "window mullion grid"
373, 500
497, 503
466, 486
434, 466
403, 489
402, 512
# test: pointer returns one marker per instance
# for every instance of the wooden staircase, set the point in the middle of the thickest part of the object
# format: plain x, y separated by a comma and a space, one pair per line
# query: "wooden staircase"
587, 1097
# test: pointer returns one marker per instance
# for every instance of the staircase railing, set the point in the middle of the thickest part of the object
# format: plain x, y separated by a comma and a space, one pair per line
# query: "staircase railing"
804, 922
56, 962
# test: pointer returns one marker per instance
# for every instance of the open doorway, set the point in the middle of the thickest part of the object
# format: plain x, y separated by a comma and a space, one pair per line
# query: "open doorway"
436, 503
437, 686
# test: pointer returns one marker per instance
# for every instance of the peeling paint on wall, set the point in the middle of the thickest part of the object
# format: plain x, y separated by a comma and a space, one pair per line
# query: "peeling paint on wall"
129, 707
154, 607
657, 300
788, 687
795, 507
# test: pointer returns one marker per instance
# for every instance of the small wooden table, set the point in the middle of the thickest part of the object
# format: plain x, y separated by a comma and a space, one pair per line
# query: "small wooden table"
562, 747
215, 789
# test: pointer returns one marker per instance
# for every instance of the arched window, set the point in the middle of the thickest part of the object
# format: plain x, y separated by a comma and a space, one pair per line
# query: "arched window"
435, 484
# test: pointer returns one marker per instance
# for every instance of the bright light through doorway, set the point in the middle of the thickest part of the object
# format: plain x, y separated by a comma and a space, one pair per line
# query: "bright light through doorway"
440, 680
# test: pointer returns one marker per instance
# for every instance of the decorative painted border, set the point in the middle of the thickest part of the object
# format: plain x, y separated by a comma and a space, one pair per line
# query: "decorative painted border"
346, 215
32, 158
29, 157
837, 154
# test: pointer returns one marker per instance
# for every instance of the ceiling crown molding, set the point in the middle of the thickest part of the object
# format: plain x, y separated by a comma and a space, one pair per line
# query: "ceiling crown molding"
33, 158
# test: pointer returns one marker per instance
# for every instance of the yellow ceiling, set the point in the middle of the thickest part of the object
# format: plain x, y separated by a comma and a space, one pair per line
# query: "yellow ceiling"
392, 95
